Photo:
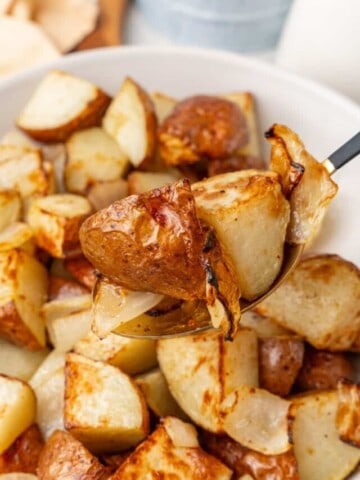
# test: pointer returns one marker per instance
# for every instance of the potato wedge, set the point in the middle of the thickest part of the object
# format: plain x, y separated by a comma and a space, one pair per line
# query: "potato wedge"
17, 409
101, 195
131, 355
131, 121
23, 454
202, 127
92, 156
17, 235
311, 195
114, 305
170, 234
323, 370
23, 290
81, 105
163, 105
172, 451
10, 208
318, 449
330, 324
92, 390
56, 220
64, 332
48, 383
263, 326
280, 359
60, 288
64, 457
210, 368
22, 169
82, 270
347, 414
240, 206
158, 396
140, 182
18, 362
249, 464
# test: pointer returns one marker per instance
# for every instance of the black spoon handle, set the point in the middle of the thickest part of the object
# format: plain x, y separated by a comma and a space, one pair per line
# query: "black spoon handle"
345, 153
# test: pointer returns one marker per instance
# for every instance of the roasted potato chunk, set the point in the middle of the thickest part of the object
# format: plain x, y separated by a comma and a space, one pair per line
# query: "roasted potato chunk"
149, 234
280, 359
23, 455
172, 451
131, 121
241, 206
80, 104
17, 409
323, 370
318, 449
92, 156
257, 419
202, 127
234, 163
23, 281
140, 182
310, 194
328, 289
103, 428
82, 270
64, 332
244, 461
17, 235
56, 220
60, 287
18, 362
347, 415
263, 326
163, 105
101, 195
65, 457
10, 208
210, 369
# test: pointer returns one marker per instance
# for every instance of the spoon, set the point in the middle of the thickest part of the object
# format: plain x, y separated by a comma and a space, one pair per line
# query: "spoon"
179, 321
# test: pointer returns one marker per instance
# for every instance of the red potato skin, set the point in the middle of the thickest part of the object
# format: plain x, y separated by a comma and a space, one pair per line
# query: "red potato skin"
60, 288
245, 461
23, 455
82, 270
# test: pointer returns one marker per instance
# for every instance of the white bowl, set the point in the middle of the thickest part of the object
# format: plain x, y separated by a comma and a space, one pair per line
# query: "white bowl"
323, 118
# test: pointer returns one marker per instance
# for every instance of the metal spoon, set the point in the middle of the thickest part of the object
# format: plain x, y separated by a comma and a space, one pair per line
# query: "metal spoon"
179, 322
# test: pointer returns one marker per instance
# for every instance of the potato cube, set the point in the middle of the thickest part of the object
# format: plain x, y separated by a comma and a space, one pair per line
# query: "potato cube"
17, 409
17, 235
140, 182
62, 307
56, 220
347, 415
92, 156
163, 105
241, 206
77, 104
10, 208
18, 362
65, 331
23, 290
131, 121
104, 408
101, 195
172, 451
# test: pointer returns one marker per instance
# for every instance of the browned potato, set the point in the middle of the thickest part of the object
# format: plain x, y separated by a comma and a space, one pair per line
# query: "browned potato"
23, 455
60, 287
172, 452
79, 104
101, 195
328, 289
234, 163
322, 370
306, 182
140, 182
244, 461
82, 270
347, 415
131, 121
161, 247
18, 235
56, 220
202, 126
10, 208
23, 282
65, 457
280, 359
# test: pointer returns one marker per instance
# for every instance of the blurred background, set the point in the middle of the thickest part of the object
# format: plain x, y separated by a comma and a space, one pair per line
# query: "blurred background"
319, 39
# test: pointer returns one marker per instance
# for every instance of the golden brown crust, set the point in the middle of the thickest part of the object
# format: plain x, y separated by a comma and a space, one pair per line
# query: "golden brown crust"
202, 126
234, 163
245, 461
60, 287
90, 117
280, 359
82, 270
348, 412
65, 457
23, 455
14, 329
322, 370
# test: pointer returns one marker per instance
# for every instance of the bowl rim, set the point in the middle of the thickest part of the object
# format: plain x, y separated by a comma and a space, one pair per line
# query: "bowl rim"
255, 64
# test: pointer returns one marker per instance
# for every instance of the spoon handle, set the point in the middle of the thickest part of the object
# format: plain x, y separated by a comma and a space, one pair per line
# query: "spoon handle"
343, 154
